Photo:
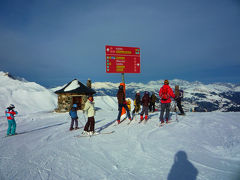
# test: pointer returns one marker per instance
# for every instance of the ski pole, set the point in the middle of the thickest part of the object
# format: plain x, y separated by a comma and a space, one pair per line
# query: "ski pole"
84, 117
81, 123
176, 111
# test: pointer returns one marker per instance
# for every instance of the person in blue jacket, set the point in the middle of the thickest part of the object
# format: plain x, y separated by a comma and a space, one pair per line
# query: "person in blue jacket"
74, 116
10, 113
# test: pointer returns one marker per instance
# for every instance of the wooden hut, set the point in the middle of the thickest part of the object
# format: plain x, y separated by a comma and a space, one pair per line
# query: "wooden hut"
73, 93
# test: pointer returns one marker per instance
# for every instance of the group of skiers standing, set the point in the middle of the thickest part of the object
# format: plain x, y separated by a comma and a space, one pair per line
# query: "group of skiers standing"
148, 102
90, 110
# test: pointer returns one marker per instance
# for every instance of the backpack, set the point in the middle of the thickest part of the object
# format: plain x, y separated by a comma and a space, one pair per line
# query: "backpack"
165, 94
181, 93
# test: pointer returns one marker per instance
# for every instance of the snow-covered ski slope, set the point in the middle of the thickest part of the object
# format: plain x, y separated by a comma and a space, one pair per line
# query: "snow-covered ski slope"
200, 146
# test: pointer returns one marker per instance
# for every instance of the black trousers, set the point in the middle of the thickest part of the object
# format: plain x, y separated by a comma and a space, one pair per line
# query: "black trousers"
72, 122
179, 105
89, 126
152, 106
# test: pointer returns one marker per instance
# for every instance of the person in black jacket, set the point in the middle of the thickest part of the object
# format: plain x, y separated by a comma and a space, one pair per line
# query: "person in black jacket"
153, 99
137, 103
178, 99
122, 103
145, 106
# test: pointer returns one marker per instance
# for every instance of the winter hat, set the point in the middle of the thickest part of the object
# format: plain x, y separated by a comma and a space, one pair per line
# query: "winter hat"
120, 87
146, 92
74, 105
166, 82
11, 106
90, 96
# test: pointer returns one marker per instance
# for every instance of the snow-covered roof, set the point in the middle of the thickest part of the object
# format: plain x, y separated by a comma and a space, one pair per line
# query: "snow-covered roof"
77, 87
72, 86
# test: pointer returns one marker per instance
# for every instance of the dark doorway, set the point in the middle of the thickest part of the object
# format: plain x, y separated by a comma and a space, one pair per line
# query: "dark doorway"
78, 100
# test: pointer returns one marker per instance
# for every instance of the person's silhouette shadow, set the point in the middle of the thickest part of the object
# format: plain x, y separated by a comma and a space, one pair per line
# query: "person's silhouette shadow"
182, 169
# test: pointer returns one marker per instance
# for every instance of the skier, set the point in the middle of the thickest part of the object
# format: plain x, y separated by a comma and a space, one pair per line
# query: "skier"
153, 99
89, 108
165, 94
10, 113
128, 104
137, 103
145, 106
74, 116
178, 99
122, 103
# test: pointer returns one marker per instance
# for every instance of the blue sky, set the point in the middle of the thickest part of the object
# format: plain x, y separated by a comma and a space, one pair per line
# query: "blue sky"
53, 42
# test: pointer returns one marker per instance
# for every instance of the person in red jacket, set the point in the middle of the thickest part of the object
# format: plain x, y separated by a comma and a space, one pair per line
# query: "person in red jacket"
165, 94
10, 114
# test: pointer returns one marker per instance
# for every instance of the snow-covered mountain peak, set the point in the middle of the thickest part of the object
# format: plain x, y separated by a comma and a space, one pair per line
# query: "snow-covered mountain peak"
26, 96
10, 76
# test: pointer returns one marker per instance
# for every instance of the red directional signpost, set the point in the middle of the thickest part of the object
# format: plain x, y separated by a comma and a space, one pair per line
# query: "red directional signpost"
122, 60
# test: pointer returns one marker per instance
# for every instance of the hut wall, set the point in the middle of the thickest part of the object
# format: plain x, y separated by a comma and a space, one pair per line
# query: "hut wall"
65, 102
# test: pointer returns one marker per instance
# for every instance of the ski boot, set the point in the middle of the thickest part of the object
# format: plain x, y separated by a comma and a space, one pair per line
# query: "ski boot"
146, 117
85, 133
167, 121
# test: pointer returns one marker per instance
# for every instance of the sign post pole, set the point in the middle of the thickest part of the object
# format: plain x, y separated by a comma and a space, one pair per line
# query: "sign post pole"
122, 60
123, 80
124, 90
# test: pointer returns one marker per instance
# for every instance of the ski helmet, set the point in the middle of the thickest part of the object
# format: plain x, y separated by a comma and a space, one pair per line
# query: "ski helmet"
166, 82
74, 105
11, 106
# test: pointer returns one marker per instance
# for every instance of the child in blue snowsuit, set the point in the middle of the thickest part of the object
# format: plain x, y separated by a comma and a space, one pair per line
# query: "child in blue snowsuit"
74, 116
10, 113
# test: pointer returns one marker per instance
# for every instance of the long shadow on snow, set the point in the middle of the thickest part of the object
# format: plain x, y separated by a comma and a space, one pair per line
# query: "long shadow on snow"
99, 129
38, 129
182, 168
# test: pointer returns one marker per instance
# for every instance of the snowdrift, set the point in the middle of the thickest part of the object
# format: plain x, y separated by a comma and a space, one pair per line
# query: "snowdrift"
28, 97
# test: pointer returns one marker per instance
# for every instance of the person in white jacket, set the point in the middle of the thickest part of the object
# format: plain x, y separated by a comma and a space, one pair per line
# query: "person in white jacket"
89, 109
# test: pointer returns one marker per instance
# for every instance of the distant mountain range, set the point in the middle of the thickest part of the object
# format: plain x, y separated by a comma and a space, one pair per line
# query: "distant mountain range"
200, 97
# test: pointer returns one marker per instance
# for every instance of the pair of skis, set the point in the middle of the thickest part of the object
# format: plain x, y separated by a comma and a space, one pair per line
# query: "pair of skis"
94, 134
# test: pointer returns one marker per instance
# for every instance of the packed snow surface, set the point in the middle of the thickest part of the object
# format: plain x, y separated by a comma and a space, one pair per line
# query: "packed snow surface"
202, 146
